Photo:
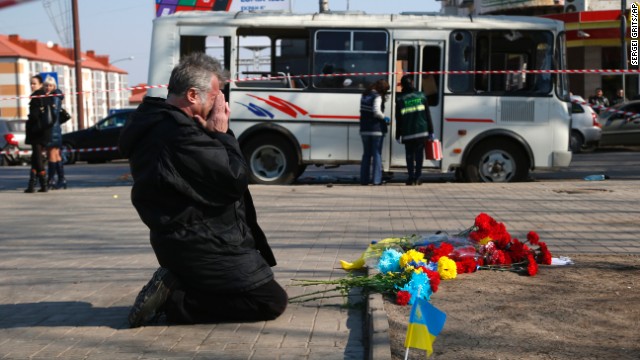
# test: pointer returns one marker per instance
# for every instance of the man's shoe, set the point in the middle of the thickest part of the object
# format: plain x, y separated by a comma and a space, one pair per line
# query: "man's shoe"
417, 182
151, 298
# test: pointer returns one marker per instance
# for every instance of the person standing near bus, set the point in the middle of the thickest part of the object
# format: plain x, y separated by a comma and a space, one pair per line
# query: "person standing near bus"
373, 127
413, 127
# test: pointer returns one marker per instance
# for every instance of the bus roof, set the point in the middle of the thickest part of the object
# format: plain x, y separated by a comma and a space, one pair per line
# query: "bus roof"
359, 20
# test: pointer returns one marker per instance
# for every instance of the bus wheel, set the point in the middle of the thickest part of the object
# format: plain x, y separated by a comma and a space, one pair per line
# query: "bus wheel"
272, 160
460, 176
301, 169
496, 163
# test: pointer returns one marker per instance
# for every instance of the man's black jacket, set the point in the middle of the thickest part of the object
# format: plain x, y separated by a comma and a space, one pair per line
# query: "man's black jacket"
191, 190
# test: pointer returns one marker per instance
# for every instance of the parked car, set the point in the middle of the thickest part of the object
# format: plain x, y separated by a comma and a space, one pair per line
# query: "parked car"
585, 128
621, 125
12, 147
98, 143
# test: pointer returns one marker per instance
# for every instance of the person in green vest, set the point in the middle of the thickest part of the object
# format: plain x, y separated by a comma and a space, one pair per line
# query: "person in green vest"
413, 127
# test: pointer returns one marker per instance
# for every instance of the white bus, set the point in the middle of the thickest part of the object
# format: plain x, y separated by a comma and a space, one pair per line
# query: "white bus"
494, 126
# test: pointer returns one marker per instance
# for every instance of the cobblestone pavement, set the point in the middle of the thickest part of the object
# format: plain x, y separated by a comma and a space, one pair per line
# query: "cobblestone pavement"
72, 262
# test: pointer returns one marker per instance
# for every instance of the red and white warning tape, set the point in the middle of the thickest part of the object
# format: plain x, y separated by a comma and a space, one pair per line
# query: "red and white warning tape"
89, 150
85, 150
384, 73
15, 152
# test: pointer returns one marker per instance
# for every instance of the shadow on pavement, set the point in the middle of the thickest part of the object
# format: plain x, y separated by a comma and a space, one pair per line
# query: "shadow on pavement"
62, 313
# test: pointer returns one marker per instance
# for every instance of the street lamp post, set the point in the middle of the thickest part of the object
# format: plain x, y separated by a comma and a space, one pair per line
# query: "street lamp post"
108, 88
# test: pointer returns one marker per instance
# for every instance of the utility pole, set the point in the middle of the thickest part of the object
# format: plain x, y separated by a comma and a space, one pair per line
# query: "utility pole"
77, 54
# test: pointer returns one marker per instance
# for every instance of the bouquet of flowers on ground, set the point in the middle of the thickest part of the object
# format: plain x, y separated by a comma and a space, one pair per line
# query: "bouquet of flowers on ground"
412, 267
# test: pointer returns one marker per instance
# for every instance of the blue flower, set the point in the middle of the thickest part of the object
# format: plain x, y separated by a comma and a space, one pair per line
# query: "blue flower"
418, 287
389, 261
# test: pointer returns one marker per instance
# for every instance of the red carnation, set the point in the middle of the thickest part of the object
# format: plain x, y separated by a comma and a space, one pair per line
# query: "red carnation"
403, 297
484, 221
498, 257
434, 279
500, 235
533, 238
427, 250
544, 257
518, 251
443, 250
532, 266
466, 265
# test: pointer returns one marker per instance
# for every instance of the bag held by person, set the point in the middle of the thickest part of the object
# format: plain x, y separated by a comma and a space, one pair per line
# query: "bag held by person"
43, 119
64, 116
46, 117
432, 149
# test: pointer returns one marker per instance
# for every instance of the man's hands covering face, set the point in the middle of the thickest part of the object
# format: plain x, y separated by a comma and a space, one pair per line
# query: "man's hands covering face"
218, 119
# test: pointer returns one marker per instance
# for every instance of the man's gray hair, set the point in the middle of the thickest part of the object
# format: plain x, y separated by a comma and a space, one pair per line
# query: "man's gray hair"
195, 71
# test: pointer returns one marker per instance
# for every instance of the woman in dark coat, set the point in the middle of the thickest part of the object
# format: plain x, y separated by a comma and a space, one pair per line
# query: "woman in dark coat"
54, 145
36, 136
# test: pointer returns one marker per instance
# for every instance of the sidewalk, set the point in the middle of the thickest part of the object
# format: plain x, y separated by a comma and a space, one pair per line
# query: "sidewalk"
73, 261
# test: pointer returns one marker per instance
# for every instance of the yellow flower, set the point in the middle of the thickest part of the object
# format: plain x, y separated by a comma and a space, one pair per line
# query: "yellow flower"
485, 240
447, 268
409, 256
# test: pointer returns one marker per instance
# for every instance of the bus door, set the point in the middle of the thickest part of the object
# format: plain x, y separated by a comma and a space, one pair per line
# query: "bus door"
423, 57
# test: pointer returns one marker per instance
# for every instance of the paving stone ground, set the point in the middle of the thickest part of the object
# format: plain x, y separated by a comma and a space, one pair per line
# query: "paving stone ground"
72, 262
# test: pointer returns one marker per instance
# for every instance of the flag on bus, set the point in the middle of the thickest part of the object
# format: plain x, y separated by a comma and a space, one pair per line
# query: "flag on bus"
425, 323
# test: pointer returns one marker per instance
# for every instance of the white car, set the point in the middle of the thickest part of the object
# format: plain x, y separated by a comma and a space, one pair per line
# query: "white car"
585, 128
13, 150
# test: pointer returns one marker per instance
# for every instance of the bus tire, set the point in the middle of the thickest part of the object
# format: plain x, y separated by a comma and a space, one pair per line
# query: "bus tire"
272, 160
301, 169
459, 175
496, 160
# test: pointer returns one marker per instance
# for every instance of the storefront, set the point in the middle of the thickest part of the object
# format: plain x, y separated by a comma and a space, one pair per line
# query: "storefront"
593, 42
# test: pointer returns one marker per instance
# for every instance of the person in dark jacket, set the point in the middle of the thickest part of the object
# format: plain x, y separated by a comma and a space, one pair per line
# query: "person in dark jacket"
373, 127
191, 190
53, 146
413, 127
36, 136
598, 100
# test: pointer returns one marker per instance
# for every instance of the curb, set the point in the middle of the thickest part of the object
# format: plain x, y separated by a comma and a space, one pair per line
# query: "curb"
377, 328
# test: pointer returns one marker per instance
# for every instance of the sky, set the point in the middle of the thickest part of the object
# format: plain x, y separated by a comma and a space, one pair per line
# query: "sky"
122, 29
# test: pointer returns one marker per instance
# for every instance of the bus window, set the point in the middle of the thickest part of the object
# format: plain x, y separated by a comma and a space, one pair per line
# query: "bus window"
349, 51
562, 80
216, 49
460, 59
190, 44
272, 60
292, 58
431, 82
513, 50
405, 62
254, 63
